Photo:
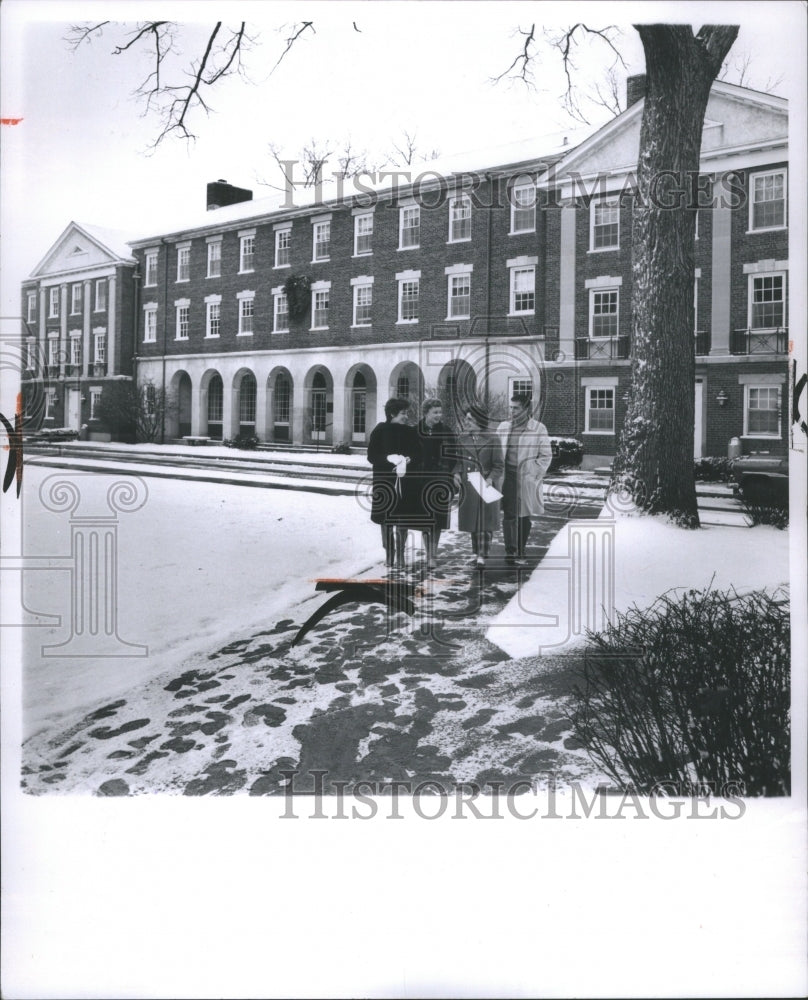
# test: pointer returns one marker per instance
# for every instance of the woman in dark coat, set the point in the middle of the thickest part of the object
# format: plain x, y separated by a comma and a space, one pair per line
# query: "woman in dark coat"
480, 451
438, 458
395, 495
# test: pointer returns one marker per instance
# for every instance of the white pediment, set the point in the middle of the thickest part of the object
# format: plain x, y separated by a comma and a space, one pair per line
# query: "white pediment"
75, 250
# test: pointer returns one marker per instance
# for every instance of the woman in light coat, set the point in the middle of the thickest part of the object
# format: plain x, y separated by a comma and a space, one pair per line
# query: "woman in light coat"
480, 451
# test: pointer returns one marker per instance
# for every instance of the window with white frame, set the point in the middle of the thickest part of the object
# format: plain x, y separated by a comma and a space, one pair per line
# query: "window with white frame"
459, 219
30, 362
409, 291
246, 253
151, 399
521, 387
362, 303
322, 240
151, 268
604, 305
101, 295
53, 303
363, 234
459, 296
604, 219
767, 197
282, 400
50, 403
762, 405
319, 306
183, 319
409, 227
213, 316
283, 242
247, 397
767, 301
75, 299
150, 324
95, 399
31, 300
280, 311
600, 409
183, 263
246, 313
215, 400
523, 208
53, 351
215, 259
523, 290
75, 349
100, 347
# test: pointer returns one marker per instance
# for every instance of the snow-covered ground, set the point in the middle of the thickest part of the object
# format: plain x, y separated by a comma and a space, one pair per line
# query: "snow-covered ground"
198, 564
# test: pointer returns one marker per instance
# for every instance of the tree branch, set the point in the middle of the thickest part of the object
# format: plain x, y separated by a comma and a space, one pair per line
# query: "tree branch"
290, 41
523, 60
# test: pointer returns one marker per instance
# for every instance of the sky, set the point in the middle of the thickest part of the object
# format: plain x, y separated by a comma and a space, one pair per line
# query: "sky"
368, 72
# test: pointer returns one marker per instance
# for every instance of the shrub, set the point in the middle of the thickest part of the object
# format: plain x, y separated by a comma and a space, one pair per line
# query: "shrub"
567, 453
693, 689
297, 289
247, 442
713, 469
341, 449
756, 513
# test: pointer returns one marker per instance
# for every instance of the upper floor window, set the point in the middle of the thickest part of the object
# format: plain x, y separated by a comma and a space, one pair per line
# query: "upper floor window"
409, 292
459, 296
409, 227
246, 313
75, 299
246, 259
322, 240
604, 312
762, 411
283, 241
183, 319
767, 198
215, 259
31, 301
459, 219
363, 234
151, 268
183, 263
53, 303
75, 349
319, 306
362, 303
101, 295
280, 318
150, 324
767, 301
100, 348
523, 208
53, 351
604, 225
213, 316
523, 290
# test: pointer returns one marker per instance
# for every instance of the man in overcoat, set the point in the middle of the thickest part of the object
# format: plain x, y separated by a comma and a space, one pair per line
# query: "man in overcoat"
527, 451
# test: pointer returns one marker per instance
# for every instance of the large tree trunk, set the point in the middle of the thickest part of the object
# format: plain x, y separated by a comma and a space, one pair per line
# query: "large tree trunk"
654, 461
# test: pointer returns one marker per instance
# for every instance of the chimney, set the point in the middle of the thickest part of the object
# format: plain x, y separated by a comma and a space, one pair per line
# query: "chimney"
220, 193
635, 89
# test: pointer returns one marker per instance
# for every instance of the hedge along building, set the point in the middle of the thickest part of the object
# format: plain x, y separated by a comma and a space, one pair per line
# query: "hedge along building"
78, 309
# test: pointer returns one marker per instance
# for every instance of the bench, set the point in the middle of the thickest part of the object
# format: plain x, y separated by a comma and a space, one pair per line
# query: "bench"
194, 439
396, 594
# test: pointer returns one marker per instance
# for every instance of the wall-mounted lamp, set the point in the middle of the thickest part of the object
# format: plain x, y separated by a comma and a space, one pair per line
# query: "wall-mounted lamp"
722, 398
626, 396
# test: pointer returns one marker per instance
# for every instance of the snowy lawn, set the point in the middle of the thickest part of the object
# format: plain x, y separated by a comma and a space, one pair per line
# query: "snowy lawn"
568, 592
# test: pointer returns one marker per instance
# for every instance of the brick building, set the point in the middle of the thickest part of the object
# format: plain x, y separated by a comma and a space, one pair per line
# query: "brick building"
294, 318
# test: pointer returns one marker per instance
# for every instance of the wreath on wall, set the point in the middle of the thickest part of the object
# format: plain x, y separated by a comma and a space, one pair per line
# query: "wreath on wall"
297, 289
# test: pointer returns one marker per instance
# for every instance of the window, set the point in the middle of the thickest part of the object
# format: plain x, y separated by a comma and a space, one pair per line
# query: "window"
30, 362
762, 411
95, 399
247, 395
319, 407
53, 303
101, 295
215, 259
183, 263
151, 268
403, 387
75, 299
31, 307
280, 311
50, 404
523, 208
246, 257
151, 399
605, 225
409, 227
246, 313
767, 301
183, 319
213, 318
459, 219
363, 234
603, 313
459, 296
322, 240
53, 352
523, 290
768, 200
521, 387
319, 308
75, 350
282, 400
100, 348
215, 400
599, 410
359, 407
150, 324
408, 295
283, 240
362, 304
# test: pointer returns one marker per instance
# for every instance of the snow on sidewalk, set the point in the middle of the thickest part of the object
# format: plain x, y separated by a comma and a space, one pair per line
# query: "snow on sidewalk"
573, 585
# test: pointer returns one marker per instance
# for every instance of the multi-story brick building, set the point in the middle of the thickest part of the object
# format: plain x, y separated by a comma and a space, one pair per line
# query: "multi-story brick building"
295, 318
78, 309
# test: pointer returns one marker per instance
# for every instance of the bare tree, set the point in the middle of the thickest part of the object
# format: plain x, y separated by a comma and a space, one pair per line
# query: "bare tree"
740, 71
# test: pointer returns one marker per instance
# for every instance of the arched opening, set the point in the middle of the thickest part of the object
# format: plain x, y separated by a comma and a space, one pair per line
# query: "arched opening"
247, 397
319, 420
407, 382
178, 406
457, 390
215, 408
360, 403
281, 408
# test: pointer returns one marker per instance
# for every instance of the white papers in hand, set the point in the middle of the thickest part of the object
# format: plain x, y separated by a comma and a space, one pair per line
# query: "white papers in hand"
488, 494
400, 462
